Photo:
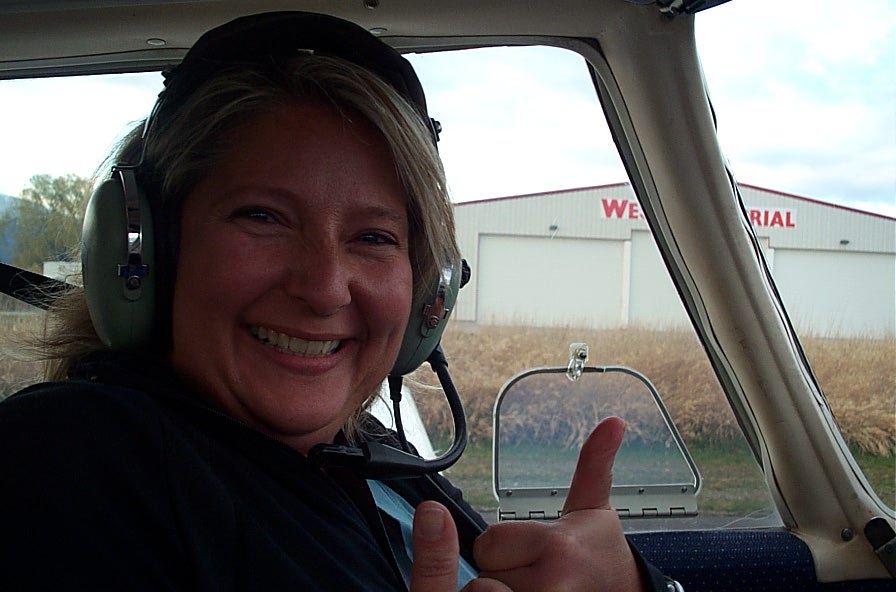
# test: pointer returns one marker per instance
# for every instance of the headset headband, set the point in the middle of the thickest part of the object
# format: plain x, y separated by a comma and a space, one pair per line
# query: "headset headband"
271, 37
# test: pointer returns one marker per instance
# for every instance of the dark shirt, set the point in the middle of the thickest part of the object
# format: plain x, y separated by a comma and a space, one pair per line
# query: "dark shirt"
119, 479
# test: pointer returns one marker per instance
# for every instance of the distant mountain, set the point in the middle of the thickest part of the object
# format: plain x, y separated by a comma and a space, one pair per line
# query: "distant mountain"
7, 246
5, 202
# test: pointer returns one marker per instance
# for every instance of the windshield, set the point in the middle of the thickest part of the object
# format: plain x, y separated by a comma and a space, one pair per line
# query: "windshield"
808, 111
560, 251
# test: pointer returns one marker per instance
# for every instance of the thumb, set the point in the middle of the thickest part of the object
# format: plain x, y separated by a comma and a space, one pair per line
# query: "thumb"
590, 487
435, 550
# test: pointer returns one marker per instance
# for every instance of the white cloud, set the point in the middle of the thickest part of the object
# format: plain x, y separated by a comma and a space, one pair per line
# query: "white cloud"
804, 92
68, 126
517, 120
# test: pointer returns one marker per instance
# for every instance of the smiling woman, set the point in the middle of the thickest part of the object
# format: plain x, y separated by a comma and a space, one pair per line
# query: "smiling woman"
336, 272
274, 242
300, 241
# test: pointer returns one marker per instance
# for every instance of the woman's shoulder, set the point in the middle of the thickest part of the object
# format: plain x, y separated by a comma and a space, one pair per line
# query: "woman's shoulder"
105, 386
78, 403
81, 429
83, 466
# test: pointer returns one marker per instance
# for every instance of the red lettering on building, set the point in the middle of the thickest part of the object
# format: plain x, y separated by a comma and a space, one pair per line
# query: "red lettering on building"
621, 208
613, 208
772, 218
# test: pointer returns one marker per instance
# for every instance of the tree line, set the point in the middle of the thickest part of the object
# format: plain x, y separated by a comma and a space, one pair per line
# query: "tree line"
44, 224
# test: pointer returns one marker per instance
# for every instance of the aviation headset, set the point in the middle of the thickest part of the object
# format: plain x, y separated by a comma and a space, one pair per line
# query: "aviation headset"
118, 247
119, 250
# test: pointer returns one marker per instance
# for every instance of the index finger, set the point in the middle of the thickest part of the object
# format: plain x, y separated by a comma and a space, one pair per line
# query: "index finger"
591, 483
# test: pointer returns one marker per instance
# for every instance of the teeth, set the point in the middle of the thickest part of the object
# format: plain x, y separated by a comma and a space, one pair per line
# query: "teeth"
296, 345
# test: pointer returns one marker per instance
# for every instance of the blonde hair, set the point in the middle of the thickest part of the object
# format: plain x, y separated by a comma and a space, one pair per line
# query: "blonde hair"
187, 140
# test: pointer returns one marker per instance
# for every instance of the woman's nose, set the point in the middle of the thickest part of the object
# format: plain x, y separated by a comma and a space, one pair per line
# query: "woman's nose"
320, 278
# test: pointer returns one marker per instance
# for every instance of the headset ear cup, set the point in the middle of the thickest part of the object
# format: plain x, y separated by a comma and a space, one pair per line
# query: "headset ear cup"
429, 317
120, 290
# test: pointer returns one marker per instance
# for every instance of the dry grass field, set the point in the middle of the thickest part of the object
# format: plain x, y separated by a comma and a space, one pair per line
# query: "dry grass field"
857, 377
15, 371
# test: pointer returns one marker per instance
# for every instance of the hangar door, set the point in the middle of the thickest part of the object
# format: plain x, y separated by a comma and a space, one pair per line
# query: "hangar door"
654, 301
838, 294
543, 281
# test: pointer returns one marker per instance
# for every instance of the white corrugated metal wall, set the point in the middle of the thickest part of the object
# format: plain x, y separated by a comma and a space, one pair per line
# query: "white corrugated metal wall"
565, 290
585, 256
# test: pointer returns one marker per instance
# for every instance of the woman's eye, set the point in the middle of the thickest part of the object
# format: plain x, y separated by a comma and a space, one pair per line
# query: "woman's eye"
255, 215
377, 238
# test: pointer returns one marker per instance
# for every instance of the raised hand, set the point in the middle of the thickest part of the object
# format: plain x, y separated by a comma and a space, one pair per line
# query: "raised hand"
436, 554
435, 550
583, 550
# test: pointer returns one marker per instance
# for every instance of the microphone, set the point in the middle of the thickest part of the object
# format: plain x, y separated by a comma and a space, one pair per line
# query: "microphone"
375, 460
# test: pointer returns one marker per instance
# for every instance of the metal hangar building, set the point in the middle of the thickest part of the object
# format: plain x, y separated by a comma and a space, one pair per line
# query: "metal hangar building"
536, 258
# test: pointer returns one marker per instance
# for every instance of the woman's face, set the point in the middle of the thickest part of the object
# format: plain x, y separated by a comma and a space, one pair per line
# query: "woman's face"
293, 277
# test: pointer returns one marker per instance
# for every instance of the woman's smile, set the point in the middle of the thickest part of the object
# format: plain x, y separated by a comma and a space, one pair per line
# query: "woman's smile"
295, 345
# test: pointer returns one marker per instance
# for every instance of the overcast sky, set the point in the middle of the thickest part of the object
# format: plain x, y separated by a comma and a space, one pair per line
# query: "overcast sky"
805, 94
